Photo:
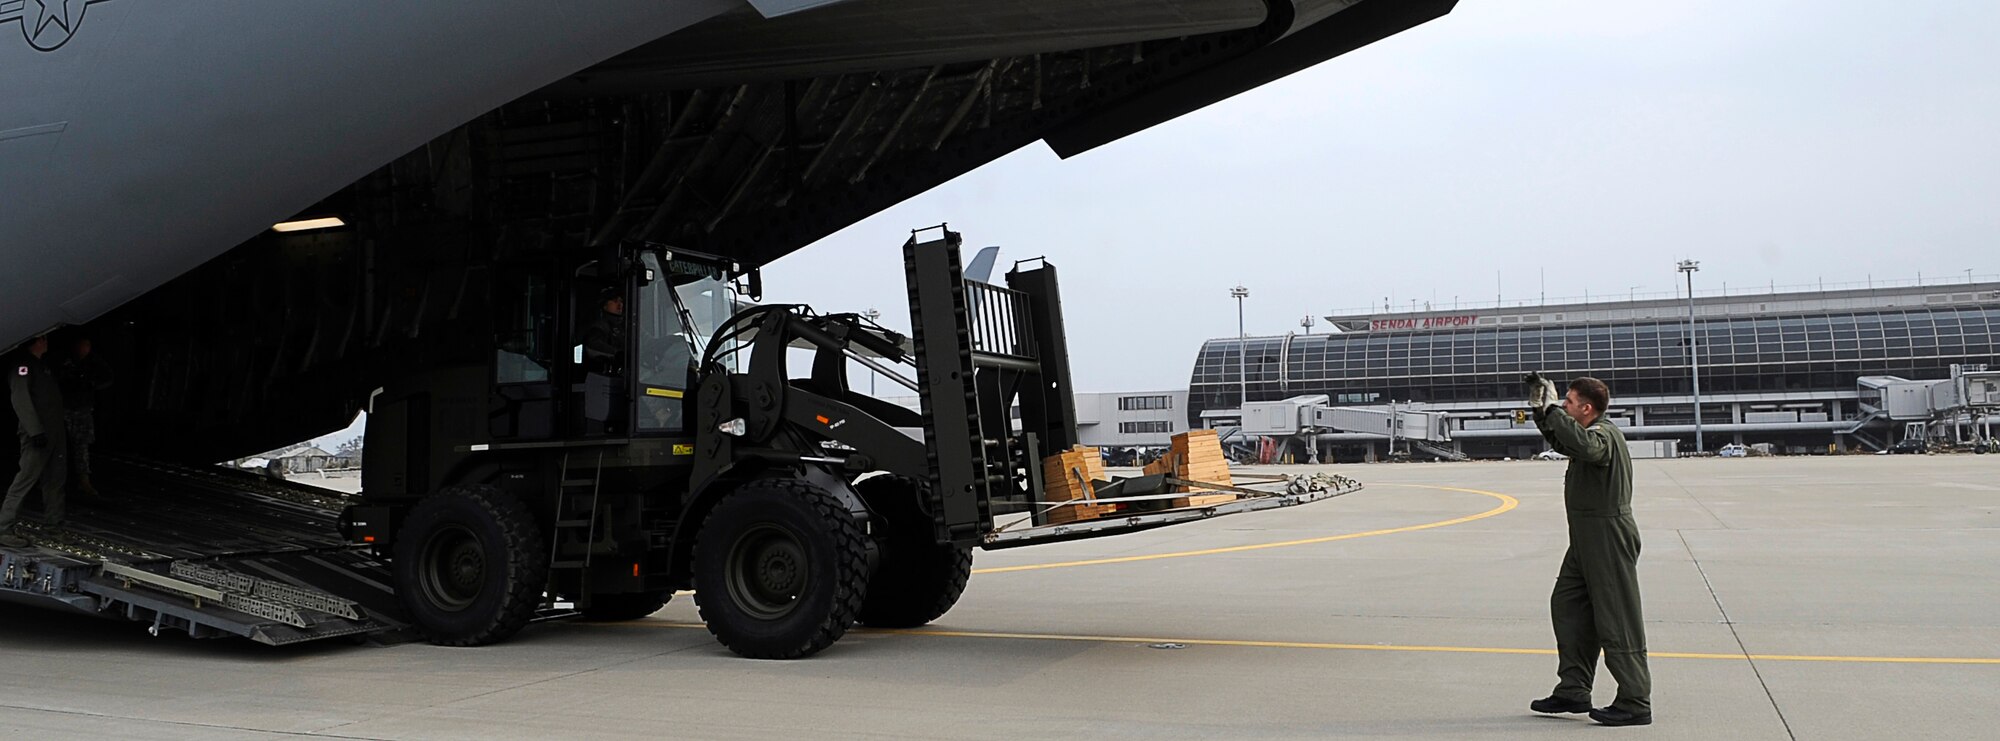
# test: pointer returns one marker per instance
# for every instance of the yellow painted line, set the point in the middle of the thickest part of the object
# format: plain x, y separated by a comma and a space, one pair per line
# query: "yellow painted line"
1507, 503
1843, 659
1368, 646
1220, 642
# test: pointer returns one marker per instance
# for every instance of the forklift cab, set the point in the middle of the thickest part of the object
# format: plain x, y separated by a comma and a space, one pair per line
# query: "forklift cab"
630, 336
678, 305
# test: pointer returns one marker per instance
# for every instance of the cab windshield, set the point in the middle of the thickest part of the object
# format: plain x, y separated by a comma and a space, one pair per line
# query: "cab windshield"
679, 310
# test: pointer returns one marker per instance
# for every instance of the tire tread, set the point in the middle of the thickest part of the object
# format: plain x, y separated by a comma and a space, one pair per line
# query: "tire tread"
521, 540
850, 587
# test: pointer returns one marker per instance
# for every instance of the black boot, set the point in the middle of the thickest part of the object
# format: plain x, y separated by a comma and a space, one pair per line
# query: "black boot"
1614, 716
1553, 705
83, 491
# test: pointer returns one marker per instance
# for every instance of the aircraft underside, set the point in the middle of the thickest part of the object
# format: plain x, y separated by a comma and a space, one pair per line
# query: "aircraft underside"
742, 135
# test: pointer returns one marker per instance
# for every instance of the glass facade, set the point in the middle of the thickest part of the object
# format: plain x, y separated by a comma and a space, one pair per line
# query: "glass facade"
1824, 351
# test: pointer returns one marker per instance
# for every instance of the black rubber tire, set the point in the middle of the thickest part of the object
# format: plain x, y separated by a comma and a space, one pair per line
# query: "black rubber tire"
916, 580
611, 608
780, 569
500, 566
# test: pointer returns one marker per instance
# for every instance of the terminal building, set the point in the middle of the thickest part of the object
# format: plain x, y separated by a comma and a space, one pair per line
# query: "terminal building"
1145, 419
1806, 371
1112, 420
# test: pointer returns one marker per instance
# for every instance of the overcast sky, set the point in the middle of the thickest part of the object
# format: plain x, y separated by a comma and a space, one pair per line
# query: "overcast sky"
1598, 141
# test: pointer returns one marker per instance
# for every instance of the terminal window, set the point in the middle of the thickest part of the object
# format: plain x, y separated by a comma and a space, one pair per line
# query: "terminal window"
1134, 403
1142, 427
1741, 354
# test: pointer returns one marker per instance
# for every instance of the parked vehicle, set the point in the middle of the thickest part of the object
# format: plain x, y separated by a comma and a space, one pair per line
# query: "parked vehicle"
1908, 445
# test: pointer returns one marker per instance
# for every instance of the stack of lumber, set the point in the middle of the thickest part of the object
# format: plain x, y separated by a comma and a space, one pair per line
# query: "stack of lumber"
1195, 456
1067, 477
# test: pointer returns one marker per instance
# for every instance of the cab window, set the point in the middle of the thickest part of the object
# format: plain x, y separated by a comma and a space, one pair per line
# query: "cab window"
678, 309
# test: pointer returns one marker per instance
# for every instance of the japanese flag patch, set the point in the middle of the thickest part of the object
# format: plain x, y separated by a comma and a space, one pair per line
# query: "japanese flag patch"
22, 372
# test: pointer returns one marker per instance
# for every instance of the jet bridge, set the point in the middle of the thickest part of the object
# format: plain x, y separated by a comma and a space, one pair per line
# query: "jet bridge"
1960, 407
1311, 417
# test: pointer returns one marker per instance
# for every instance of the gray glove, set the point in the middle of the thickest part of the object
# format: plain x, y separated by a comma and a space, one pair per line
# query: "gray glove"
1541, 392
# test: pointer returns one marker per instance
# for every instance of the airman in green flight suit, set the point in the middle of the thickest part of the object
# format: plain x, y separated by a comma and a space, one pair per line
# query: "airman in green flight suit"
1595, 606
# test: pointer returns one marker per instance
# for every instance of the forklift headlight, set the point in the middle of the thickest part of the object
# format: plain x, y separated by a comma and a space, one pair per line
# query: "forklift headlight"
735, 427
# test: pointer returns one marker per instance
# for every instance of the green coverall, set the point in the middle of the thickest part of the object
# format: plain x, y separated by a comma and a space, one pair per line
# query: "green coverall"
38, 404
1596, 601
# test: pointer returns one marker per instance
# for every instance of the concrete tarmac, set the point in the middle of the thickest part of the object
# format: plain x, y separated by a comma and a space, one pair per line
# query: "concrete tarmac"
1801, 598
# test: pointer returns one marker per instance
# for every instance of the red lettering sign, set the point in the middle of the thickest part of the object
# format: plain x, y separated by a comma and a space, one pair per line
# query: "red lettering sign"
1429, 322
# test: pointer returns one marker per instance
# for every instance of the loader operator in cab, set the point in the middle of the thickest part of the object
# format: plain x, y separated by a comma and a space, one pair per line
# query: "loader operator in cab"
604, 337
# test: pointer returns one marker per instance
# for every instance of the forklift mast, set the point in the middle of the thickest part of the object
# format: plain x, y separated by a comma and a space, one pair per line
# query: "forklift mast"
980, 349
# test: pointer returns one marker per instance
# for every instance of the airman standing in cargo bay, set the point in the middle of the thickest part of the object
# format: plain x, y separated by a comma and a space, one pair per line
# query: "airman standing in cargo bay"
1595, 606
82, 376
38, 404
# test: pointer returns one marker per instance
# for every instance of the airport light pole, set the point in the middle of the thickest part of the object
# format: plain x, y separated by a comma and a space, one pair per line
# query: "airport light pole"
1242, 353
1688, 268
1307, 322
872, 315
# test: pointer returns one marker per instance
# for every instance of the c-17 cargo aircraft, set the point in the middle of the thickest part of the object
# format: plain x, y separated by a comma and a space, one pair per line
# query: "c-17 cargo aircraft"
268, 214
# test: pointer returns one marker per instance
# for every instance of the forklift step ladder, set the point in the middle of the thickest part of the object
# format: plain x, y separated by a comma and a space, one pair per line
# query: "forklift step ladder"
575, 521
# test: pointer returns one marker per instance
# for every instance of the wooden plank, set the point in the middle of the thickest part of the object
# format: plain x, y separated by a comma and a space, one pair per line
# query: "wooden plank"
1203, 500
1060, 474
1079, 513
1201, 458
1193, 456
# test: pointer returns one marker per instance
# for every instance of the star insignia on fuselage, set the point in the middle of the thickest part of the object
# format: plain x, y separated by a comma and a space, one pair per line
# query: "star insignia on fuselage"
46, 24
54, 12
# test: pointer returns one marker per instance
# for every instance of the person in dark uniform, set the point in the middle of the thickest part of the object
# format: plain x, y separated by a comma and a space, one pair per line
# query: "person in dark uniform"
1595, 606
604, 338
81, 377
38, 404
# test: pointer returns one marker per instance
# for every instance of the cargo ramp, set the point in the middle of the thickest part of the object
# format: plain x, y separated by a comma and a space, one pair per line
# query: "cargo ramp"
206, 551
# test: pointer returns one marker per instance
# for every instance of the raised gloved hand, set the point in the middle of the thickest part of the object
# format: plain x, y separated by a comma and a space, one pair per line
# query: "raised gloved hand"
1541, 392
39, 441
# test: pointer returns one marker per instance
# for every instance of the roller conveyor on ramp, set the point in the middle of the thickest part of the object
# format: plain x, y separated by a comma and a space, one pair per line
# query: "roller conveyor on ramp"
206, 551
